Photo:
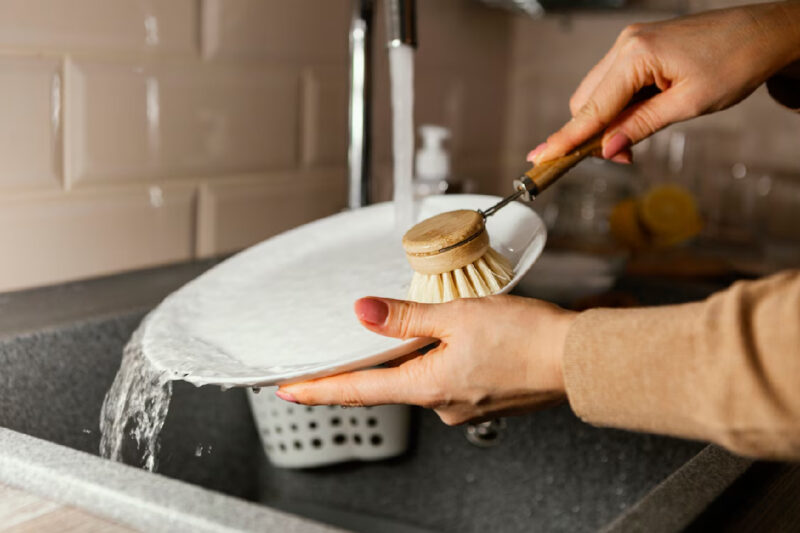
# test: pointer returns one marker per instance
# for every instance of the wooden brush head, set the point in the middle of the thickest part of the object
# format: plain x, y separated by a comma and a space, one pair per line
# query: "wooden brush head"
446, 242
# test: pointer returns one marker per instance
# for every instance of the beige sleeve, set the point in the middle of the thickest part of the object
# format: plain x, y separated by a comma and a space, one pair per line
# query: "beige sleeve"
784, 87
726, 369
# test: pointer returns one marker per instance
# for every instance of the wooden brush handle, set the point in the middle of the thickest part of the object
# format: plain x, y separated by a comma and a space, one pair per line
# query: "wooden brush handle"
545, 174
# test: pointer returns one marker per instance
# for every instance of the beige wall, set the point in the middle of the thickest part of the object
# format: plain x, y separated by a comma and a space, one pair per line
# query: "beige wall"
135, 133
461, 82
550, 56
139, 132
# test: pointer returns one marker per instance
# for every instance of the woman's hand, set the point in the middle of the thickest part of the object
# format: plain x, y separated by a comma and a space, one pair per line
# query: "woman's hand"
497, 355
701, 63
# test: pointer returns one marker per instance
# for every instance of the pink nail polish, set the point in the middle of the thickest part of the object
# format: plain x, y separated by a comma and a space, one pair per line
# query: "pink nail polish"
536, 151
285, 396
372, 311
618, 142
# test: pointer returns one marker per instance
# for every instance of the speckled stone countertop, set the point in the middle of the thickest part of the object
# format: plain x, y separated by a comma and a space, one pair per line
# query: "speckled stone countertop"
144, 501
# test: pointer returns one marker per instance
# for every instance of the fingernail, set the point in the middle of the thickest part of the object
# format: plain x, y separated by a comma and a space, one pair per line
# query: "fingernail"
283, 395
544, 155
617, 143
536, 151
372, 311
624, 158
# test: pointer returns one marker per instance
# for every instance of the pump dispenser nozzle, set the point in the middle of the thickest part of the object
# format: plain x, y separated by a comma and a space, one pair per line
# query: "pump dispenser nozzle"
433, 162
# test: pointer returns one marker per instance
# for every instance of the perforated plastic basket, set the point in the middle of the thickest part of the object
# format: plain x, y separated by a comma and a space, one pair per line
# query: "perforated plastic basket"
296, 436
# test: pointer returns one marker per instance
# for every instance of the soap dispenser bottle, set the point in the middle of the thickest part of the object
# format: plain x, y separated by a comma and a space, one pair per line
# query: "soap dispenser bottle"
432, 163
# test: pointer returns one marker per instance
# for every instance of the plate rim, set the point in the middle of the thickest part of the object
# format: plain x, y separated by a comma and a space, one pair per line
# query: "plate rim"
533, 251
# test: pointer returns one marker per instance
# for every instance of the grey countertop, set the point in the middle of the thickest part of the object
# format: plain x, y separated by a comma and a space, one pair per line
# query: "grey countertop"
153, 502
46, 307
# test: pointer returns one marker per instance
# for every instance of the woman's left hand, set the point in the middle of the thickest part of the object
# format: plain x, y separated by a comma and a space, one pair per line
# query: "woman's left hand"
496, 356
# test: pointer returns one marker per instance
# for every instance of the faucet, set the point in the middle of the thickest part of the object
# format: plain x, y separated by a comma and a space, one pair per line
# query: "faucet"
401, 21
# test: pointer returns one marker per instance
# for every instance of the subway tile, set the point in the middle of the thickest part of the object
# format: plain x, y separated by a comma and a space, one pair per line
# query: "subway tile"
133, 122
444, 97
483, 127
464, 35
483, 174
569, 45
30, 129
299, 29
229, 119
458, 35
100, 25
441, 100
57, 237
324, 121
238, 212
460, 77
538, 106
472, 109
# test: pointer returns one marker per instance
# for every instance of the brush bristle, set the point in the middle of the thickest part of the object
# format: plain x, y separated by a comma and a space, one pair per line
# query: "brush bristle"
486, 276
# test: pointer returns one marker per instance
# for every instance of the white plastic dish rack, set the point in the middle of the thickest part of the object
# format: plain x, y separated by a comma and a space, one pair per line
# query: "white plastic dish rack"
297, 436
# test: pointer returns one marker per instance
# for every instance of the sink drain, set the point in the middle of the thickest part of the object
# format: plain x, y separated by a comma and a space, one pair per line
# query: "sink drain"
486, 434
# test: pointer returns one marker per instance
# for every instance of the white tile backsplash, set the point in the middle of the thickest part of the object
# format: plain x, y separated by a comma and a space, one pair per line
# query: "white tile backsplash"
162, 120
324, 120
56, 237
239, 212
100, 25
243, 102
30, 122
296, 30
550, 57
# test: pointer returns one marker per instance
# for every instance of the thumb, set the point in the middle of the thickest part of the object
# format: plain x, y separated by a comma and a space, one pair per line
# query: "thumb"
401, 319
609, 98
644, 119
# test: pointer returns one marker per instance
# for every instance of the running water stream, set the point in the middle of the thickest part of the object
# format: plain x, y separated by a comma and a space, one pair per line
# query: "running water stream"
137, 403
135, 407
401, 71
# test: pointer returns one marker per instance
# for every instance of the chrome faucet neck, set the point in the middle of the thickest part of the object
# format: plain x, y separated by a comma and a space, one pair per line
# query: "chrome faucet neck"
360, 112
401, 20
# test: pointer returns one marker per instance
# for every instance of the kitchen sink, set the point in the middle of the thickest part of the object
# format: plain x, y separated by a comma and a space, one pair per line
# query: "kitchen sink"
547, 470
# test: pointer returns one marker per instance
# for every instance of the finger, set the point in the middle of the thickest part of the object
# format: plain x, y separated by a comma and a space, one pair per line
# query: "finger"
592, 80
609, 98
413, 355
367, 387
644, 119
625, 157
403, 320
582, 93
599, 71
403, 359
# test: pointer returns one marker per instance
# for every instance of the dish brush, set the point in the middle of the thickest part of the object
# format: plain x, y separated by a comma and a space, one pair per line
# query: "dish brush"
451, 258
450, 252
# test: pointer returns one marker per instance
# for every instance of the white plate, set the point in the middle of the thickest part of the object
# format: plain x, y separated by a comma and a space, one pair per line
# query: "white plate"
282, 310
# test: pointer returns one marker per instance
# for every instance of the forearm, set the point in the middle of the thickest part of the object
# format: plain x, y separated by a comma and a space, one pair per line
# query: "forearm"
725, 370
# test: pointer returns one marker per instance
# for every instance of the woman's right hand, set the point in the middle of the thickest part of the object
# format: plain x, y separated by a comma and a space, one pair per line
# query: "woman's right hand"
701, 63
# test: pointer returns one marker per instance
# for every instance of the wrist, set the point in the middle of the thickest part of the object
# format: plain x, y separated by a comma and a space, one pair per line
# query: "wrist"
561, 328
782, 23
